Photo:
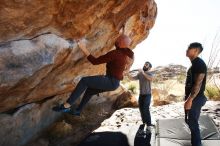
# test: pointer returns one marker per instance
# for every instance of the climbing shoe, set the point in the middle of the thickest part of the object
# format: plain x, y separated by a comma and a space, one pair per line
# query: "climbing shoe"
61, 108
74, 113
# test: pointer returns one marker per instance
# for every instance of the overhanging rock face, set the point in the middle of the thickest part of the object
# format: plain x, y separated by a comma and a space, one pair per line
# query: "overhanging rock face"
38, 54
40, 63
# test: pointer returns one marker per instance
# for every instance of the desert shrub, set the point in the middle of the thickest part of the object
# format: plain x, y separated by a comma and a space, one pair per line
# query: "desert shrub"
181, 78
212, 92
125, 81
165, 86
132, 87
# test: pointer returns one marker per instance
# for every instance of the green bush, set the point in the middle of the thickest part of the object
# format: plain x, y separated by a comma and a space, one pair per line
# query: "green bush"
181, 78
212, 92
125, 81
133, 88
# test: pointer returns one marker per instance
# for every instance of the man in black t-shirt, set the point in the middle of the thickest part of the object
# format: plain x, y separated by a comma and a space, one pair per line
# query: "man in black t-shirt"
194, 91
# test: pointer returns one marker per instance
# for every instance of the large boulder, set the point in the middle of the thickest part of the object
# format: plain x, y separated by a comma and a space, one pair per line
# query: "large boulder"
38, 54
40, 61
37, 119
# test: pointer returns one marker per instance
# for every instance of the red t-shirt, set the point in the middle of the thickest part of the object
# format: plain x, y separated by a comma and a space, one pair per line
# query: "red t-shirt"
116, 61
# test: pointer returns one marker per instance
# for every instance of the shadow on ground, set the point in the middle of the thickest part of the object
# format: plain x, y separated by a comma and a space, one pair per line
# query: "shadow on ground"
142, 138
105, 139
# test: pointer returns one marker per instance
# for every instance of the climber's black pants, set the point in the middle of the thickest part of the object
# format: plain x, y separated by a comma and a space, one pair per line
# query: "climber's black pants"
92, 85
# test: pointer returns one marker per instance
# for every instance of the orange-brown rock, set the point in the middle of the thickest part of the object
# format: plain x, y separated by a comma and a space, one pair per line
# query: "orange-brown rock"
126, 99
27, 122
159, 97
38, 55
41, 63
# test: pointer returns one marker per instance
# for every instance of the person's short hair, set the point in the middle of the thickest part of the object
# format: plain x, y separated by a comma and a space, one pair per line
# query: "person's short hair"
150, 65
196, 45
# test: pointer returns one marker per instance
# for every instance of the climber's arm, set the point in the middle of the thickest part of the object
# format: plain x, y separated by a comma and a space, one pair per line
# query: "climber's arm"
148, 77
82, 46
99, 60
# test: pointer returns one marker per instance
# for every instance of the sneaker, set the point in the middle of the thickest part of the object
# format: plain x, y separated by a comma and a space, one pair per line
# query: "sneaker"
74, 113
150, 128
61, 108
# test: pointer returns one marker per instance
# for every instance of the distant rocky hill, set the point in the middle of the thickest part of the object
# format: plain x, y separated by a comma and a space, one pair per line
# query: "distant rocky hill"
169, 71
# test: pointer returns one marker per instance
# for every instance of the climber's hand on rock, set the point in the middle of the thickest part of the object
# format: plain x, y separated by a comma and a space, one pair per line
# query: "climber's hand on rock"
82, 46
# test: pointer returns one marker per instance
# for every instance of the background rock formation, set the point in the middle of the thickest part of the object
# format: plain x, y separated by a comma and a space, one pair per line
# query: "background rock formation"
39, 59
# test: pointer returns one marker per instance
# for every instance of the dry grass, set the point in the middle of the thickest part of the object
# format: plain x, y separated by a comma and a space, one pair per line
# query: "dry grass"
212, 92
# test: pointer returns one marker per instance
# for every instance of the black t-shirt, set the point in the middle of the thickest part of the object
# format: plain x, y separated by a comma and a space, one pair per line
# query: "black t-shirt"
198, 66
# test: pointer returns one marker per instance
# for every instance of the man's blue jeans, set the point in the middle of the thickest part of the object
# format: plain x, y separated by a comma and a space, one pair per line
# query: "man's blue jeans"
92, 85
144, 107
193, 118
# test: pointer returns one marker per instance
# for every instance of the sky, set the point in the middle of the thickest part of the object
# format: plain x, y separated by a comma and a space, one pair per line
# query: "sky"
179, 23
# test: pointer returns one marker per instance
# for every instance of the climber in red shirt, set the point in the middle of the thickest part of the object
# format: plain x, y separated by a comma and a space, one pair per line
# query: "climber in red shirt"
117, 61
